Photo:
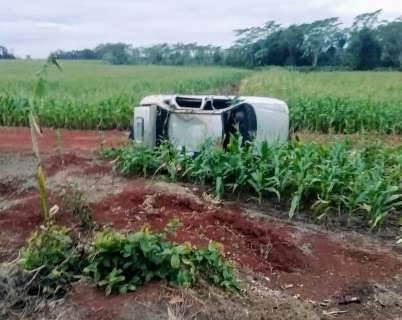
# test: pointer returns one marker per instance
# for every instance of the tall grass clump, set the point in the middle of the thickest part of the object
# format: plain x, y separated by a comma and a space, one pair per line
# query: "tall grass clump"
335, 180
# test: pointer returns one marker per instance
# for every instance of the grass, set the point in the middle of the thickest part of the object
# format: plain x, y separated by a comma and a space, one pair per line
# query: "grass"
93, 95
341, 102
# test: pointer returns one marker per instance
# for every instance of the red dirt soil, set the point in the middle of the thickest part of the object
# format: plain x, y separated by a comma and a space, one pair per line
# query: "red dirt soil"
18, 222
19, 140
321, 272
56, 163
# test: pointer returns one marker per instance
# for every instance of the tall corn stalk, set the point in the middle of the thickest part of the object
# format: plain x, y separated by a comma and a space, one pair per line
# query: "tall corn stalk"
39, 92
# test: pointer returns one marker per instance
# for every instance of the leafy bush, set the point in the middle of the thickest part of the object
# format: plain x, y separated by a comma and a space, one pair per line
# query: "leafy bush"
123, 262
338, 178
52, 253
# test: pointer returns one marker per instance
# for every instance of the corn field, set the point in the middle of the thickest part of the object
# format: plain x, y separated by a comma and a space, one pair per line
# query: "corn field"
335, 102
93, 95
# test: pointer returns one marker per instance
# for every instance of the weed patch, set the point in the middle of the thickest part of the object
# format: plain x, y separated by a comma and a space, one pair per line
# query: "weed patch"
53, 254
121, 262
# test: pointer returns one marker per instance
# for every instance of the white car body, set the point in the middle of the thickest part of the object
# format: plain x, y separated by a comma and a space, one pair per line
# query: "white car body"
187, 121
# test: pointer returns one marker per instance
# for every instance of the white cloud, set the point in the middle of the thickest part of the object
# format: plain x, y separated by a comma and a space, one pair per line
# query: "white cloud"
39, 27
361, 6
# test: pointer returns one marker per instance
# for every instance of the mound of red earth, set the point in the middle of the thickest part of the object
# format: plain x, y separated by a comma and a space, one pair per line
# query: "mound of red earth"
308, 263
261, 248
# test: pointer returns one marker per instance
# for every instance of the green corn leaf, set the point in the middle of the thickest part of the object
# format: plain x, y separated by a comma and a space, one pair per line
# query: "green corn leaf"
294, 205
175, 261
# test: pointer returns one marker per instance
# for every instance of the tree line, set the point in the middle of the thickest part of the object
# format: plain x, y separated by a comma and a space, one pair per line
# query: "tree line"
160, 54
368, 43
5, 54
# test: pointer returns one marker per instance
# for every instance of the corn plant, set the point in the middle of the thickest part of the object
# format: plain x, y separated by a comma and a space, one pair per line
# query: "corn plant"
335, 179
36, 131
328, 102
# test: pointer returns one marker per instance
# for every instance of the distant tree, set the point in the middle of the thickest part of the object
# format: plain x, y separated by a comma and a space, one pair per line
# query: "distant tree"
85, 54
364, 47
274, 50
114, 53
249, 36
390, 35
369, 20
248, 49
365, 50
284, 47
320, 36
5, 54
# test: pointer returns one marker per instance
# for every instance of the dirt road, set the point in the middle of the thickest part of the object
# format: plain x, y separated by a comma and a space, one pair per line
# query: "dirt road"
77, 141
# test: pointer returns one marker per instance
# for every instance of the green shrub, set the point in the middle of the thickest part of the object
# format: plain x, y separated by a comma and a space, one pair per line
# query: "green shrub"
51, 251
123, 262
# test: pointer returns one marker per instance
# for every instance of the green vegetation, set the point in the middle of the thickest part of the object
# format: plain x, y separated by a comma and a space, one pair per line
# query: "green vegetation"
51, 252
334, 101
335, 180
93, 95
122, 262
77, 205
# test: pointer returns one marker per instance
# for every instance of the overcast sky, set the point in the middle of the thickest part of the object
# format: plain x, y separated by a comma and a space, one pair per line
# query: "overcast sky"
37, 27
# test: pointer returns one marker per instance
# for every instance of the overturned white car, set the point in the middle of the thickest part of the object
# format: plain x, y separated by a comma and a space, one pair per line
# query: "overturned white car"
187, 121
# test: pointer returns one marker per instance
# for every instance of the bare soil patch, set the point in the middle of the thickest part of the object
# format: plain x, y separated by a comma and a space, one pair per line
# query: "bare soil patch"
78, 141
